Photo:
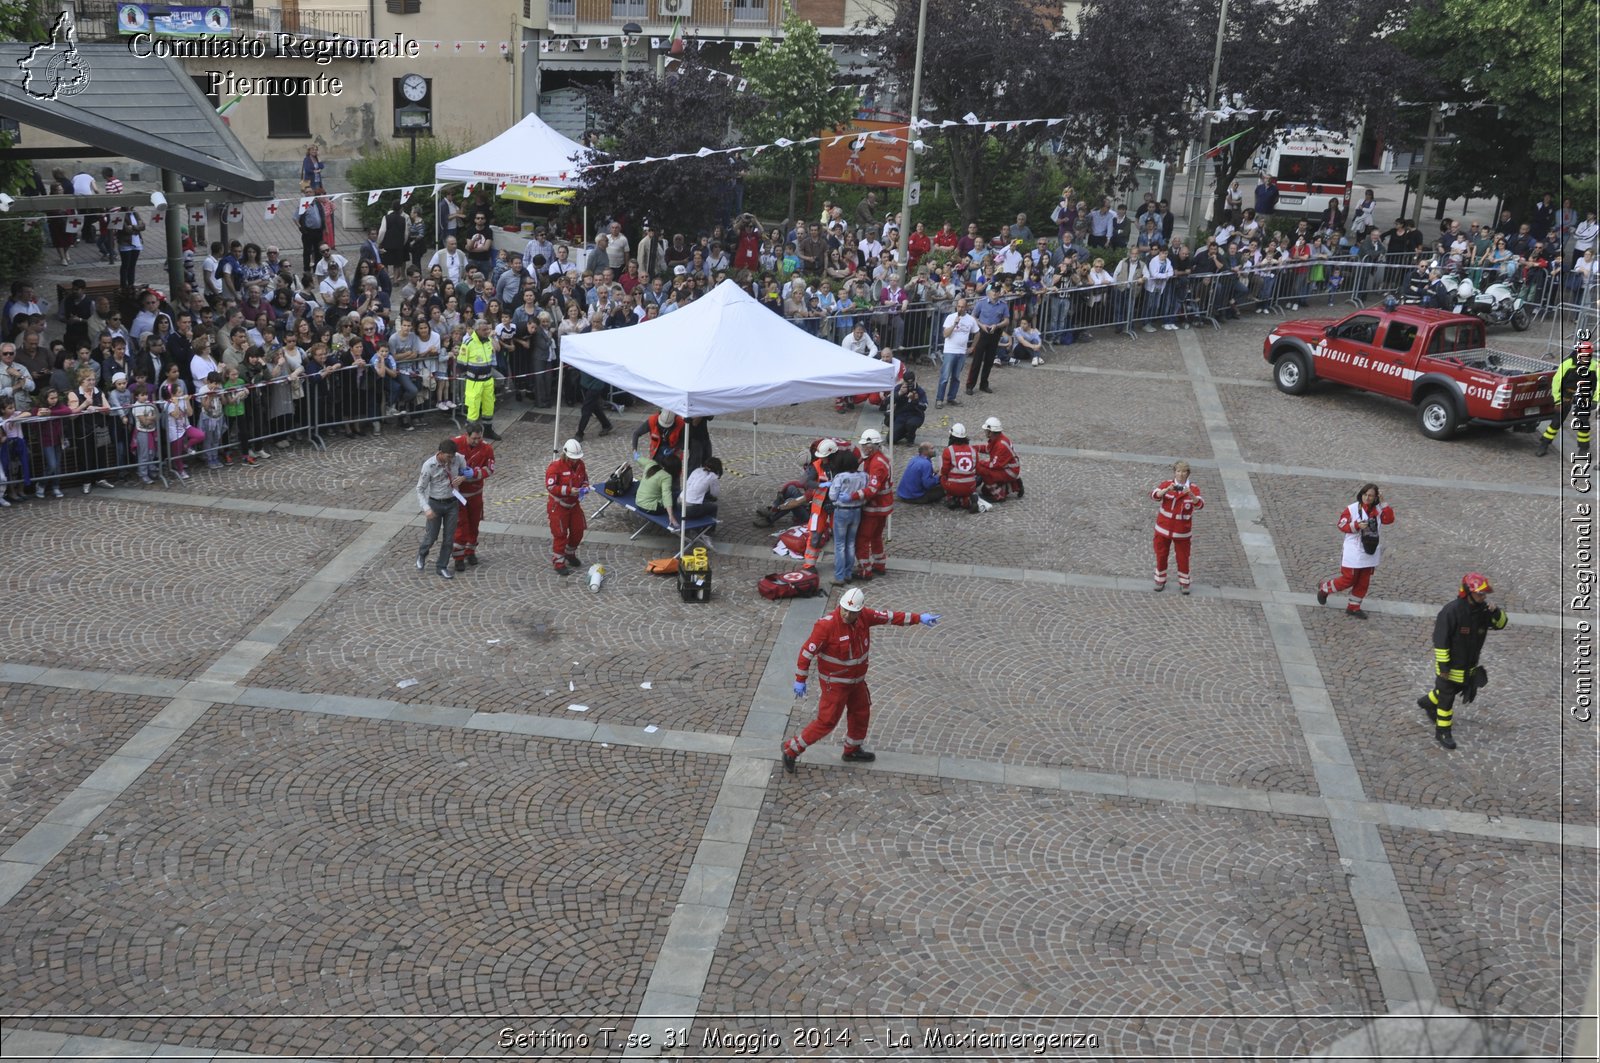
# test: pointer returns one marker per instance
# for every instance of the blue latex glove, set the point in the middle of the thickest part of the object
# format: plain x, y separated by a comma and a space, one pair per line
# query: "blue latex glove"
636, 455
930, 619
800, 688
584, 490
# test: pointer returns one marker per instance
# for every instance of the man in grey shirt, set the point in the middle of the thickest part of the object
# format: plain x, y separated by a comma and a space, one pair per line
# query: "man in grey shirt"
436, 495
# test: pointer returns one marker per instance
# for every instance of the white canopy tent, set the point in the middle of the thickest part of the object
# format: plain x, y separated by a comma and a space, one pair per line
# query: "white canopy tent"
536, 163
720, 354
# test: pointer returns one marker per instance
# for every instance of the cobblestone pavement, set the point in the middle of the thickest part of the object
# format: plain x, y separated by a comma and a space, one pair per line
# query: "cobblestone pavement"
855, 892
1220, 818
154, 589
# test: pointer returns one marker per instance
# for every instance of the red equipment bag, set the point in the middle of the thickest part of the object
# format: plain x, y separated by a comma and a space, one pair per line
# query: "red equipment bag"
801, 583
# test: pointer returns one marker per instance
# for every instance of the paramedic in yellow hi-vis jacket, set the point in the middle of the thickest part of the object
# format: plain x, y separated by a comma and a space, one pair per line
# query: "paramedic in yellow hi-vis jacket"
1458, 637
475, 362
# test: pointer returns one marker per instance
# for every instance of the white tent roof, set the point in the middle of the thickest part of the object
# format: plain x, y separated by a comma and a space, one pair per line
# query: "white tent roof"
529, 153
721, 354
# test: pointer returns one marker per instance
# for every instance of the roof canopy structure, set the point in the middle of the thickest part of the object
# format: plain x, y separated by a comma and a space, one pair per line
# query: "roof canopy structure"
536, 163
144, 108
722, 354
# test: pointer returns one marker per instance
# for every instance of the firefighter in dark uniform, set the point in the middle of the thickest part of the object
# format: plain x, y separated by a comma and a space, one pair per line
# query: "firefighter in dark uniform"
1458, 637
1573, 389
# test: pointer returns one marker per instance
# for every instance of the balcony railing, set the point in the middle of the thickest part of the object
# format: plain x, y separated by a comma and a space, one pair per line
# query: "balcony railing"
658, 16
97, 20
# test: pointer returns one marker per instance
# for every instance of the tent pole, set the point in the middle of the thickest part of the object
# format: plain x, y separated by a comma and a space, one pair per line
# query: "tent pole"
555, 432
888, 522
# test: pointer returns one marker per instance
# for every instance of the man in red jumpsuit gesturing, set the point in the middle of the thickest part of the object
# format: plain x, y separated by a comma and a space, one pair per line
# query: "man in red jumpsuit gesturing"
998, 468
871, 557
480, 459
567, 481
839, 643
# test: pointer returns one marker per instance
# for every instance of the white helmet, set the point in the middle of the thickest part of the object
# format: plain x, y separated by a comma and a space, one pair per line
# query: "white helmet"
666, 418
992, 425
958, 431
826, 448
871, 438
572, 449
1465, 290
852, 600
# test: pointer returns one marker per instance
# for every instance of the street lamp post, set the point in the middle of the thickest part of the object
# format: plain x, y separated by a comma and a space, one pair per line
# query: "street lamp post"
1196, 178
629, 30
911, 142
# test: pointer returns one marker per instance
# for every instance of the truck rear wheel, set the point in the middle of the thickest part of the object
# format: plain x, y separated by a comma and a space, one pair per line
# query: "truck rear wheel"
1437, 416
1291, 374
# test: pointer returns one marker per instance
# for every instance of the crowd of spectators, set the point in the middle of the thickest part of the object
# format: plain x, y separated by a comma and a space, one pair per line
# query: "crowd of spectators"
258, 350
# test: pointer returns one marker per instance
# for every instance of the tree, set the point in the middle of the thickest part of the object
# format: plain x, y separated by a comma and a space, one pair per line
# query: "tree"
20, 246
998, 61
677, 112
793, 96
1144, 73
1517, 85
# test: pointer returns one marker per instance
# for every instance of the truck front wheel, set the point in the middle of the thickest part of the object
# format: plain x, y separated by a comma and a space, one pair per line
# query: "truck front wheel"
1436, 416
1291, 373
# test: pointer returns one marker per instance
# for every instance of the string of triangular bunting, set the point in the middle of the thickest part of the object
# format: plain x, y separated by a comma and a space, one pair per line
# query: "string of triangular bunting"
895, 134
439, 49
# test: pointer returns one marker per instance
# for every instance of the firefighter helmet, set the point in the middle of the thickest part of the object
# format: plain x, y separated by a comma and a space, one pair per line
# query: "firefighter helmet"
1583, 349
572, 449
871, 437
1474, 583
666, 418
827, 448
992, 424
958, 431
852, 600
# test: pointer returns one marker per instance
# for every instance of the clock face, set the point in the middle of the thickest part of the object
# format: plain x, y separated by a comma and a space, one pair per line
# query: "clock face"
414, 87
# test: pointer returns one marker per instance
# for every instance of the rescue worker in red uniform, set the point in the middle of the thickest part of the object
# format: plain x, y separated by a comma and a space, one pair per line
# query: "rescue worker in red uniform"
839, 643
820, 524
958, 471
567, 481
1178, 499
1458, 636
1362, 523
998, 466
480, 459
871, 557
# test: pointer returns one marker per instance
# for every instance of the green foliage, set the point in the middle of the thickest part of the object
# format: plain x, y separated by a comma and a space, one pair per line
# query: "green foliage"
20, 248
792, 95
390, 167
677, 112
1528, 62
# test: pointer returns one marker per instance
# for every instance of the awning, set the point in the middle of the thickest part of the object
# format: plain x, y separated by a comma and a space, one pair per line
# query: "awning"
144, 108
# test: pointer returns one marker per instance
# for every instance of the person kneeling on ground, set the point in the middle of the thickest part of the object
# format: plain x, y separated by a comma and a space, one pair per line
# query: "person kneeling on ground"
910, 407
999, 468
919, 484
959, 471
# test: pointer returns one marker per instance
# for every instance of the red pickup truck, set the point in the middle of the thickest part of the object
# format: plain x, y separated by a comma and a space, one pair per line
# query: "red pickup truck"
1433, 359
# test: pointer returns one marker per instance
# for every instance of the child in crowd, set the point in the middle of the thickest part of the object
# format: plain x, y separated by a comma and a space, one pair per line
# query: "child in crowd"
14, 450
213, 422
235, 396
119, 398
146, 429
52, 437
181, 435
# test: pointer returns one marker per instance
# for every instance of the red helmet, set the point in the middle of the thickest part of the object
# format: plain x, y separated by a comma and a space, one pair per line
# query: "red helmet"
1584, 347
1475, 583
